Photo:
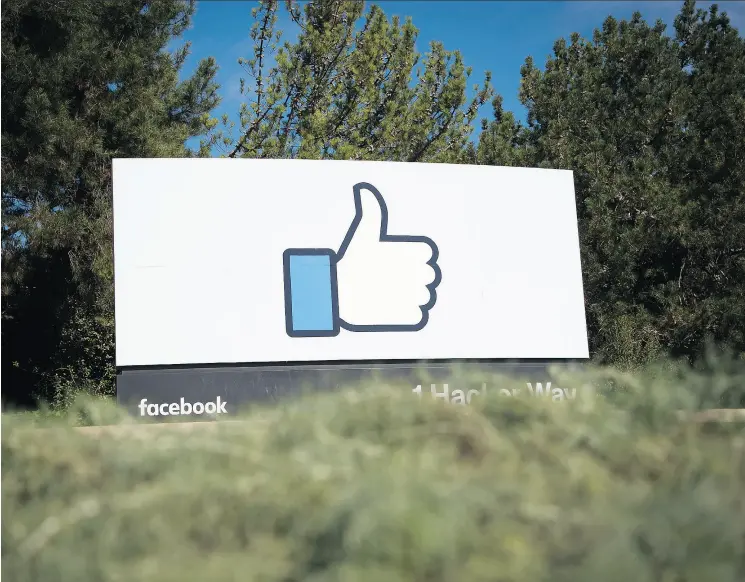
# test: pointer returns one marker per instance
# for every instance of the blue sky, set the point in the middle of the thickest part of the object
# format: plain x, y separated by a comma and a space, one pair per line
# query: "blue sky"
492, 35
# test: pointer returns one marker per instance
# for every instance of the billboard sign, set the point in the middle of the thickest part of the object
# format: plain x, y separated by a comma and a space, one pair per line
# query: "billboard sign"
233, 262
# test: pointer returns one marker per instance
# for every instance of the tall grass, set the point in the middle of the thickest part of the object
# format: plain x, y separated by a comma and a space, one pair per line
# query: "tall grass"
376, 484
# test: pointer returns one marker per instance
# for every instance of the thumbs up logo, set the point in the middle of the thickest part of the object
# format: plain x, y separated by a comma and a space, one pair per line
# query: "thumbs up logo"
375, 282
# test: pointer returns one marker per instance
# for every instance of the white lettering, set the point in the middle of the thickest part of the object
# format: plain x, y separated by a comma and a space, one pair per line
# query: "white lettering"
445, 394
538, 390
217, 406
458, 397
221, 406
463, 397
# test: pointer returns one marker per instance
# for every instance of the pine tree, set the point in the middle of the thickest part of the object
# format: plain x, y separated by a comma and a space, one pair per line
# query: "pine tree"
351, 87
83, 81
653, 128
709, 170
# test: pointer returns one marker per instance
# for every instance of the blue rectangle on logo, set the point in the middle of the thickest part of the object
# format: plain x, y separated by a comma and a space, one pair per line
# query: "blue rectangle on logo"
311, 292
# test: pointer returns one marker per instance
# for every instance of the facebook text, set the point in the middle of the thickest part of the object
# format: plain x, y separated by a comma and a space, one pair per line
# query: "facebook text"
182, 408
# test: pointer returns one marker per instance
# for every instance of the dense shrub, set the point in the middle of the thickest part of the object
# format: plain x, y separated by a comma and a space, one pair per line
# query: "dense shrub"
377, 484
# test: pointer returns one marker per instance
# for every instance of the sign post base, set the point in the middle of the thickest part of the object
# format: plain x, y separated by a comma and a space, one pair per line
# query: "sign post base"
218, 391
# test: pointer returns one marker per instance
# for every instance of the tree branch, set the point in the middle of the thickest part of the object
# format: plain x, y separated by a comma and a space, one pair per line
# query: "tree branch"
270, 10
415, 157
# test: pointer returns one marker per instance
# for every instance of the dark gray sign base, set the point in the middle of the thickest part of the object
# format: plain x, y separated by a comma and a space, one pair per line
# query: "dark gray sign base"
209, 392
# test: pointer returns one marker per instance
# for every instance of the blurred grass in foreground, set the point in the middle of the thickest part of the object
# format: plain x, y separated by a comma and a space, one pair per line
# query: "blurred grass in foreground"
378, 485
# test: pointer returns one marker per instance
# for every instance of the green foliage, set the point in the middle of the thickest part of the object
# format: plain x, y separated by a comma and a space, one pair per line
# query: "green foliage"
82, 82
381, 485
350, 87
653, 127
652, 124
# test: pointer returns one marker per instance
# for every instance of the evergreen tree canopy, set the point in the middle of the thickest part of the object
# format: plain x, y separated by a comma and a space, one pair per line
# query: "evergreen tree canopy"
653, 126
82, 81
351, 87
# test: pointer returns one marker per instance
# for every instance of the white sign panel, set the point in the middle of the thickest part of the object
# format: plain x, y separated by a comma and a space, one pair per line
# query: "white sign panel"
238, 261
